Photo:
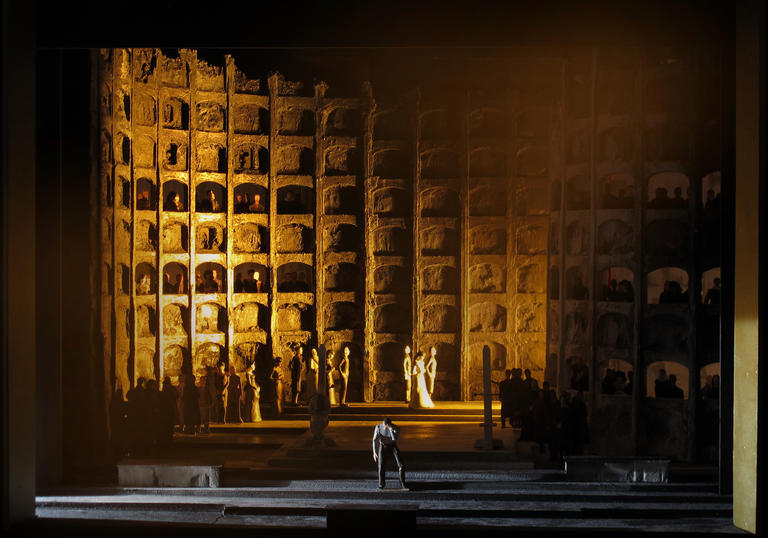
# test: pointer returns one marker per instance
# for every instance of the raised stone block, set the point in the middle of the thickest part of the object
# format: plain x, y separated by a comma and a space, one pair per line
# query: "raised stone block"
628, 469
174, 475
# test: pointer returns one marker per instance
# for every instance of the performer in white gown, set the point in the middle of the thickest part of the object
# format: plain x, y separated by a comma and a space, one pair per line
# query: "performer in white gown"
422, 390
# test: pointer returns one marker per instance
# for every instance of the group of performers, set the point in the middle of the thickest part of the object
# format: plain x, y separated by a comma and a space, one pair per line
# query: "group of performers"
305, 376
424, 375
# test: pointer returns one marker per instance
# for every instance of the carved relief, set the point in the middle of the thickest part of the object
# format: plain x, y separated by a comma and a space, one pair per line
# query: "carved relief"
290, 238
439, 240
174, 320
487, 201
173, 360
248, 238
210, 116
210, 318
146, 111
341, 161
245, 318
210, 237
531, 239
530, 317
391, 240
391, 279
342, 315
341, 277
487, 277
487, 317
390, 163
340, 200
146, 236
531, 279
341, 238
439, 319
487, 239
391, 202
614, 330
251, 119
208, 354
439, 279
439, 164
211, 158
295, 159
439, 203
145, 363
391, 318
615, 237
175, 237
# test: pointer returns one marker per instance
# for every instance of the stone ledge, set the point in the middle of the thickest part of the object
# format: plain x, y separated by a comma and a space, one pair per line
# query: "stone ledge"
149, 474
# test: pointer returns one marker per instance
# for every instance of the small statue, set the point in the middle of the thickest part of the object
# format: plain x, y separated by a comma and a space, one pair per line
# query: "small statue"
329, 375
407, 369
431, 370
252, 395
277, 379
294, 365
343, 368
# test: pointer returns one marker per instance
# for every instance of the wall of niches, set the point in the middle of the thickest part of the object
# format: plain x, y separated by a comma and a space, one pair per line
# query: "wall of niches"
634, 228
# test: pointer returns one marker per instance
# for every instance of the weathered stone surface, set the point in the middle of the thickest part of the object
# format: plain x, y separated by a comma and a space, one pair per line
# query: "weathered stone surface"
666, 334
168, 475
614, 330
208, 354
391, 163
105, 147
175, 114
290, 316
532, 356
531, 239
439, 279
341, 200
439, 203
439, 240
175, 237
388, 357
531, 199
615, 237
530, 317
245, 318
531, 278
210, 116
532, 162
174, 72
173, 360
245, 85
488, 201
391, 202
145, 63
487, 277
487, 317
295, 159
341, 160
250, 119
439, 164
174, 320
391, 318
296, 121
341, 238
391, 279
342, 316
487, 162
211, 158
175, 155
290, 238
122, 149
244, 355
247, 239
498, 364
210, 238
487, 239
146, 236
342, 122
210, 318
210, 78
391, 240
145, 363
577, 327
487, 123
439, 319
251, 158
341, 277
146, 110
146, 321
577, 238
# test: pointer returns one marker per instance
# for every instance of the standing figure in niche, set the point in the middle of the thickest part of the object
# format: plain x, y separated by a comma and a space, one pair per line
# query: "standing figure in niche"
277, 379
239, 205
145, 285
252, 393
314, 365
329, 375
238, 284
713, 294
210, 204
256, 206
343, 368
294, 366
407, 370
422, 390
234, 393
178, 286
431, 370
309, 375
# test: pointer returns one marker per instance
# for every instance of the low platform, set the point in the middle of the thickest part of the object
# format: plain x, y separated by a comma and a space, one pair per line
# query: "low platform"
616, 469
159, 473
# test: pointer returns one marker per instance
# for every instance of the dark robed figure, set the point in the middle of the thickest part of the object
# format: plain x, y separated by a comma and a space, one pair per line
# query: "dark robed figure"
385, 446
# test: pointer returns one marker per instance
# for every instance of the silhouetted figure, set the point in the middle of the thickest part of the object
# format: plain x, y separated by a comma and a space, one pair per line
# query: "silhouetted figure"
661, 200
289, 204
238, 284
518, 390
294, 367
155, 425
505, 396
630, 381
610, 291
609, 382
713, 294
209, 204
167, 286
276, 376
240, 205
710, 204
233, 394
541, 420
138, 417
673, 390
620, 382
219, 386
252, 395
576, 427
678, 202
672, 294
190, 397
579, 376
625, 292
385, 437
301, 284
118, 424
210, 282
142, 200
169, 396
205, 403
661, 385
173, 202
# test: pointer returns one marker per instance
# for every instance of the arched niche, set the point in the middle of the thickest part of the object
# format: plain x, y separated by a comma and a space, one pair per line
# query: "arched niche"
532, 162
341, 276
439, 241
439, 164
577, 372
391, 202
175, 320
498, 354
249, 317
146, 195
211, 197
211, 237
391, 241
575, 286
392, 318
175, 114
614, 330
487, 278
616, 284
251, 278
531, 278
146, 279
439, 318
615, 238
145, 363
342, 315
576, 327
105, 146
208, 355
109, 188
210, 318
616, 377
554, 283
250, 119
341, 238
295, 277
709, 380
296, 121
668, 239
245, 354
211, 157
341, 200
342, 122
175, 279
250, 238
658, 384
146, 236
175, 196
390, 125
146, 321
711, 286
577, 194
391, 279
667, 285
615, 145
124, 279
487, 123
295, 159
488, 201
123, 149
487, 317
294, 238
391, 164
210, 277
295, 200
490, 239
710, 191
487, 162
251, 198
556, 196
440, 202
439, 279
668, 190
175, 155
341, 161
531, 198
666, 333
295, 317
251, 158
438, 125
125, 192
617, 191
144, 152
174, 359
577, 238
447, 357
